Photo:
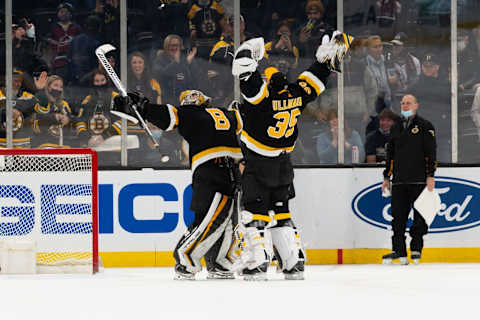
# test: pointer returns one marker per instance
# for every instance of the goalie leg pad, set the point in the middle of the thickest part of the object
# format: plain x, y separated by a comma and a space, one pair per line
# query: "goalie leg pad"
197, 242
288, 247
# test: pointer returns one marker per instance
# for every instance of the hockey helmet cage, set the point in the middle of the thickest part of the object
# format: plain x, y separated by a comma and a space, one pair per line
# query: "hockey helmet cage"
193, 97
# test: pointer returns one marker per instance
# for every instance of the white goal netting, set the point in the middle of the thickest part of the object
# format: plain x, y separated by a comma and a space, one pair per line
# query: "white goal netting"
50, 197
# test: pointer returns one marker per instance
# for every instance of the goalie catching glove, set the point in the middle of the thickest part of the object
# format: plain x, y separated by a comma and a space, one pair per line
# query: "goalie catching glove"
122, 106
246, 58
333, 49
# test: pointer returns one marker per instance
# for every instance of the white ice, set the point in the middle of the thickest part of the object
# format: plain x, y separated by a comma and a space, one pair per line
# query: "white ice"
426, 291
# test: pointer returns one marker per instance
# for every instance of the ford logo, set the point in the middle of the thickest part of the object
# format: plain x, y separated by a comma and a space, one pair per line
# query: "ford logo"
460, 206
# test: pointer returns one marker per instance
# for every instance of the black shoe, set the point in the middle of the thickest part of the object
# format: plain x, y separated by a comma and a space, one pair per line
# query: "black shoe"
416, 256
181, 273
256, 274
218, 272
296, 273
388, 258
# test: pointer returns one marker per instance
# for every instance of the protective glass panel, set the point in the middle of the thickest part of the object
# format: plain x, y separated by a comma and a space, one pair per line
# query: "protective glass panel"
468, 48
400, 47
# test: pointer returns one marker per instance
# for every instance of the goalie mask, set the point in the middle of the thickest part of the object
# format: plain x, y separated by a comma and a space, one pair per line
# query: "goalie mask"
193, 97
277, 81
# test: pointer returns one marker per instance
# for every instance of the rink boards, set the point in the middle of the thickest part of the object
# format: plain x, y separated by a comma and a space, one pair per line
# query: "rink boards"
340, 213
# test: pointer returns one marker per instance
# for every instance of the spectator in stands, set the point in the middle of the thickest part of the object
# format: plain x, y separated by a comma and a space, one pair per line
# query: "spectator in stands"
388, 13
140, 78
376, 142
23, 36
312, 28
170, 18
86, 80
356, 111
51, 119
257, 13
81, 54
94, 123
109, 12
22, 111
205, 18
61, 35
281, 51
433, 93
406, 67
377, 88
220, 77
175, 71
284, 11
468, 75
327, 142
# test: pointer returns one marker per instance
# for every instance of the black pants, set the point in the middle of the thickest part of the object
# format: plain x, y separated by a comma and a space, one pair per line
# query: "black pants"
403, 197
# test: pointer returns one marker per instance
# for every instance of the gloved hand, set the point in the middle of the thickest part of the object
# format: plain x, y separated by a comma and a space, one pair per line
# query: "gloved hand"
333, 49
124, 104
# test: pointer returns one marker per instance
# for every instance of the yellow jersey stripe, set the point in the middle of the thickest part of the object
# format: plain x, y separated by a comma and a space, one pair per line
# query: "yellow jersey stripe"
239, 121
213, 153
262, 149
260, 95
173, 117
312, 80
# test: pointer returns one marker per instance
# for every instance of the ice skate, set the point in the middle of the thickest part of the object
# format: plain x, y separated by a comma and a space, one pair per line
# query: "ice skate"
415, 256
296, 273
389, 258
217, 272
256, 274
181, 273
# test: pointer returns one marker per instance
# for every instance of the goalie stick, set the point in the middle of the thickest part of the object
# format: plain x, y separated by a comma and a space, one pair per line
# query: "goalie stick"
101, 52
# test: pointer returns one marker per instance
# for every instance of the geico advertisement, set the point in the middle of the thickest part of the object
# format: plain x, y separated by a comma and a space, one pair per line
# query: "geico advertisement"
148, 210
145, 210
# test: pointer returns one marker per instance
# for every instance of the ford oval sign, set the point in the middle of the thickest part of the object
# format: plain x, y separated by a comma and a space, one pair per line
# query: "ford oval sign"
460, 206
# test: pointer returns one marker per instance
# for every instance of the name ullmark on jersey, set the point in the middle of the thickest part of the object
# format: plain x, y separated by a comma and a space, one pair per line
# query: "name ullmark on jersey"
285, 104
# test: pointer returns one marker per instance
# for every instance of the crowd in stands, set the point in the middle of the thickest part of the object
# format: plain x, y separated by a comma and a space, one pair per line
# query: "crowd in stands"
62, 94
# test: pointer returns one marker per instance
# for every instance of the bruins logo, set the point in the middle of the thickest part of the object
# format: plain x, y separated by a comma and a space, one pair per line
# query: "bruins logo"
54, 130
415, 130
209, 27
98, 123
17, 123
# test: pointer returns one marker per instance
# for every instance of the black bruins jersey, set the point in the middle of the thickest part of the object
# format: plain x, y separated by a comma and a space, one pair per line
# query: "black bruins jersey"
210, 132
21, 125
94, 116
270, 119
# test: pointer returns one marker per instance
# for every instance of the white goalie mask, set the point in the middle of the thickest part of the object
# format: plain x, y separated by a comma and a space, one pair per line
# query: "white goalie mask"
193, 97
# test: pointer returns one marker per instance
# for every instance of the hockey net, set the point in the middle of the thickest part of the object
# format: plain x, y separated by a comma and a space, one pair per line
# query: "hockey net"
49, 196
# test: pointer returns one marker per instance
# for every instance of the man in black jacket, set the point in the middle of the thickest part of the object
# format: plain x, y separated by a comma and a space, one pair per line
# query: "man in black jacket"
411, 158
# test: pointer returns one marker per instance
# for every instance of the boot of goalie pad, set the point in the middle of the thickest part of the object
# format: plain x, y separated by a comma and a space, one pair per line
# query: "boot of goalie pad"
197, 242
288, 249
217, 259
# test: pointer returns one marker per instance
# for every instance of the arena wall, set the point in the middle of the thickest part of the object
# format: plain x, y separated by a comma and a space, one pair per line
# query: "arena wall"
340, 213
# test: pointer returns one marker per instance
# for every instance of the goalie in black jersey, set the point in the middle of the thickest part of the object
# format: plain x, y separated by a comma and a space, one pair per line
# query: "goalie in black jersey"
211, 134
270, 112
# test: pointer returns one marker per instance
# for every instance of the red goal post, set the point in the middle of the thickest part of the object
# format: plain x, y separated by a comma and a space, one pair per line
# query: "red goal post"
50, 196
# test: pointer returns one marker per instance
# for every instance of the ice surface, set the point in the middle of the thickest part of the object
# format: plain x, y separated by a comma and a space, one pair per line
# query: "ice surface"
426, 291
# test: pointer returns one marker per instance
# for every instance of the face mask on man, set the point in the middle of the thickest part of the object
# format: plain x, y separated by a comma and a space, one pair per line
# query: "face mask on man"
407, 114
